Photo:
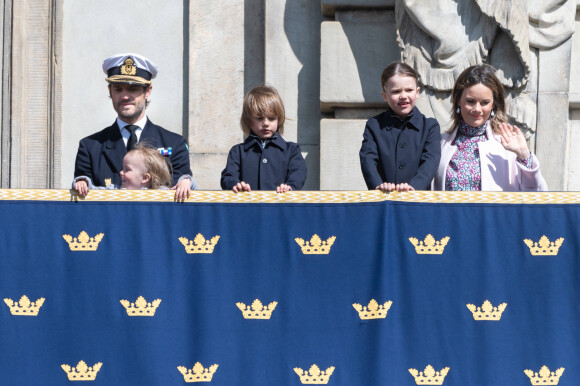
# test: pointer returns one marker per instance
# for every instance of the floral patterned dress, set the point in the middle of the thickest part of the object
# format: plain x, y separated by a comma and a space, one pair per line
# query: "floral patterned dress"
464, 169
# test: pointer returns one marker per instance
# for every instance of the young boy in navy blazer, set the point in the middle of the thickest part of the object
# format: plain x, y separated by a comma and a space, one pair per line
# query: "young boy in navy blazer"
264, 161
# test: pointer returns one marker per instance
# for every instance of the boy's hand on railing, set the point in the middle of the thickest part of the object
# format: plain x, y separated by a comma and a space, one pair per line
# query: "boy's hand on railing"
390, 187
242, 187
386, 187
404, 187
283, 188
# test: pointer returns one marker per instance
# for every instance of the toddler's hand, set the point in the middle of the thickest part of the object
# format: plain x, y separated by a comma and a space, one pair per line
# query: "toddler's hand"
82, 187
242, 187
283, 188
182, 190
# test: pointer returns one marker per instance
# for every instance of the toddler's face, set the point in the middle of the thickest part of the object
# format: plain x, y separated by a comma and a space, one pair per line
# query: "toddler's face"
401, 92
133, 175
264, 127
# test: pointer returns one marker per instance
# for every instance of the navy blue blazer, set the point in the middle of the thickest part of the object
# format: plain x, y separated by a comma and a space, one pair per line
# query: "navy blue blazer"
400, 150
280, 162
100, 155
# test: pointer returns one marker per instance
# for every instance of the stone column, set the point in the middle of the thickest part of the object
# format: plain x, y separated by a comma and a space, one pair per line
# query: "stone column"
6, 34
293, 66
35, 94
573, 161
552, 114
216, 85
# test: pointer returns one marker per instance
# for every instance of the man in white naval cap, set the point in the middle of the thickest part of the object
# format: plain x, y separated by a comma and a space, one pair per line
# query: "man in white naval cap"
100, 156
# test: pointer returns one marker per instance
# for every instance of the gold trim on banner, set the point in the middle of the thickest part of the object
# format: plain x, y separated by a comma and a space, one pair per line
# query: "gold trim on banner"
300, 197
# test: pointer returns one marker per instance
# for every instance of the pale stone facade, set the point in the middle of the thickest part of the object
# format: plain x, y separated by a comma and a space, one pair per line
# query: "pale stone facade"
325, 57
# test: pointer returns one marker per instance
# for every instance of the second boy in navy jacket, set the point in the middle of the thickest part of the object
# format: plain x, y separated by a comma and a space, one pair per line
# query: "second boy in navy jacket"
279, 162
264, 161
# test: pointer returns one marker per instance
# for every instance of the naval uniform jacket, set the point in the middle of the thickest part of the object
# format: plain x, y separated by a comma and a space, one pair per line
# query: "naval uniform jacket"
279, 162
100, 156
400, 150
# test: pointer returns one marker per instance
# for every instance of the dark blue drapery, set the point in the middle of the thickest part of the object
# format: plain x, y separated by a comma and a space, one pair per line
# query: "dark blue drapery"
314, 321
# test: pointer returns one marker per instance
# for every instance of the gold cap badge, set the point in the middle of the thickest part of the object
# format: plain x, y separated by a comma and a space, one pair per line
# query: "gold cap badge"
128, 67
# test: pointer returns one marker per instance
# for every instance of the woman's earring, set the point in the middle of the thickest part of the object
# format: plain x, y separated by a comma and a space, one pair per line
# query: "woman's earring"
492, 113
458, 110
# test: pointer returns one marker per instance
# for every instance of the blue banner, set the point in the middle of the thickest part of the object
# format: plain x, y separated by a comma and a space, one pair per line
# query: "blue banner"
379, 292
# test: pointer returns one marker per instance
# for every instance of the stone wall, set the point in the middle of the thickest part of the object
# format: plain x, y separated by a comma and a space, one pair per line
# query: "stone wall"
93, 31
31, 94
573, 148
356, 45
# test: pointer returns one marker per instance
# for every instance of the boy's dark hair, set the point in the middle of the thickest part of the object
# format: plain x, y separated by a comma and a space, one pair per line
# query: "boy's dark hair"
262, 101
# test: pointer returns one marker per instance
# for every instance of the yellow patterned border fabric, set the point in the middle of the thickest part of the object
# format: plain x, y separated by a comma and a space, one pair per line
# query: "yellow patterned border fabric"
301, 197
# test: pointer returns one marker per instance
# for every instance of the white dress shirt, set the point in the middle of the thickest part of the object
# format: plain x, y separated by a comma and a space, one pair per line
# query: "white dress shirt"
126, 133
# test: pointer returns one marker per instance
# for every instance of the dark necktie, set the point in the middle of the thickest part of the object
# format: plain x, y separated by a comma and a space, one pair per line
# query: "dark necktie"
133, 138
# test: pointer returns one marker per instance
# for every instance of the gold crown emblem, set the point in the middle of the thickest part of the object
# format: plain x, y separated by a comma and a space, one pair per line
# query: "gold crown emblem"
128, 67
314, 376
544, 247
257, 310
429, 246
141, 307
429, 376
544, 376
315, 246
108, 181
374, 310
84, 242
198, 373
24, 307
82, 372
487, 311
199, 244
